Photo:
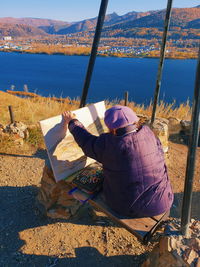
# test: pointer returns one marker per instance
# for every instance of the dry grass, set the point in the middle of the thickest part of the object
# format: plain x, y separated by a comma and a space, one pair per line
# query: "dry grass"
32, 110
164, 110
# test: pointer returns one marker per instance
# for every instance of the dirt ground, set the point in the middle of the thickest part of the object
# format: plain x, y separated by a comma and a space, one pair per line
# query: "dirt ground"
29, 239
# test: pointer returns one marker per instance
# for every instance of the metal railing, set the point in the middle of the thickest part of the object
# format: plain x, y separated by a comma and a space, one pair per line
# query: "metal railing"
191, 157
100, 21
162, 58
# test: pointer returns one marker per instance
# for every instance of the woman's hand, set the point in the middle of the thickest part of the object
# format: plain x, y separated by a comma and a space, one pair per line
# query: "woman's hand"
68, 116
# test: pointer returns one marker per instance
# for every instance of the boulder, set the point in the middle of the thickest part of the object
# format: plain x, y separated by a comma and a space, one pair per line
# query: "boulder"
160, 129
174, 125
17, 128
185, 131
174, 249
143, 118
185, 125
53, 198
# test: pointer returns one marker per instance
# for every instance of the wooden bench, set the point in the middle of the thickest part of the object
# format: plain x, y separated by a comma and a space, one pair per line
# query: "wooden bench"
142, 228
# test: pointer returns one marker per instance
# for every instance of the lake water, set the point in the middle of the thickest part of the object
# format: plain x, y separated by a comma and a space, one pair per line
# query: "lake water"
62, 76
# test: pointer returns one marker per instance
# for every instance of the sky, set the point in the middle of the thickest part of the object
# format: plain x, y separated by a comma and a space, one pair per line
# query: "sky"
76, 10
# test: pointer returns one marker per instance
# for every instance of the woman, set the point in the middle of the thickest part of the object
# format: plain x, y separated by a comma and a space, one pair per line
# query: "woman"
136, 181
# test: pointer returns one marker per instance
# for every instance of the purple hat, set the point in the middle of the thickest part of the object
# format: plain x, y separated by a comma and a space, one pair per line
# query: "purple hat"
119, 117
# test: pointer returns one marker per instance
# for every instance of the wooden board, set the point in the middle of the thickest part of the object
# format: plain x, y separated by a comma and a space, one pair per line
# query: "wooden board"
140, 227
137, 226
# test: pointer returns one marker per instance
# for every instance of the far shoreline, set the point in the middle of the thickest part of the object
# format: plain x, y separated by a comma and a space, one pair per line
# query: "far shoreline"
98, 55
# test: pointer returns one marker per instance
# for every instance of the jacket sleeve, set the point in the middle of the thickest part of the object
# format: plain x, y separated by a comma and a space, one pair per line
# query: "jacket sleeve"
92, 146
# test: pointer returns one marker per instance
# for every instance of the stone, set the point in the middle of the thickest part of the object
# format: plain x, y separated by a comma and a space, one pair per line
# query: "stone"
198, 262
195, 226
190, 256
163, 120
185, 131
158, 259
53, 199
174, 125
160, 129
175, 250
194, 243
17, 128
173, 121
164, 244
179, 260
143, 118
59, 213
185, 125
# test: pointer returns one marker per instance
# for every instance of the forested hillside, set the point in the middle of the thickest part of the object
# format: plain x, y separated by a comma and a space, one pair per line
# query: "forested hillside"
133, 24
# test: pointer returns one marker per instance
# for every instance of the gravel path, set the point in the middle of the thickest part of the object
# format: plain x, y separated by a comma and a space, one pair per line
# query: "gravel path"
29, 239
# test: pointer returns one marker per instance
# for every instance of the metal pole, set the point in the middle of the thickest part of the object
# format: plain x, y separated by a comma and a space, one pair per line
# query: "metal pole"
100, 21
193, 141
126, 98
162, 57
12, 119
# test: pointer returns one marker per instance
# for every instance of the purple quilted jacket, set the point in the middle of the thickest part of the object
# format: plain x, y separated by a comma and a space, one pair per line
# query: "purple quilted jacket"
136, 181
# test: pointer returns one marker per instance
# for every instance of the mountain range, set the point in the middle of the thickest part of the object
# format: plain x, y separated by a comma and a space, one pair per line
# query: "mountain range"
184, 18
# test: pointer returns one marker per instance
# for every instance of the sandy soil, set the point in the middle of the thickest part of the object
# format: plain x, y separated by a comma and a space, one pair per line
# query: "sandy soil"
29, 239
